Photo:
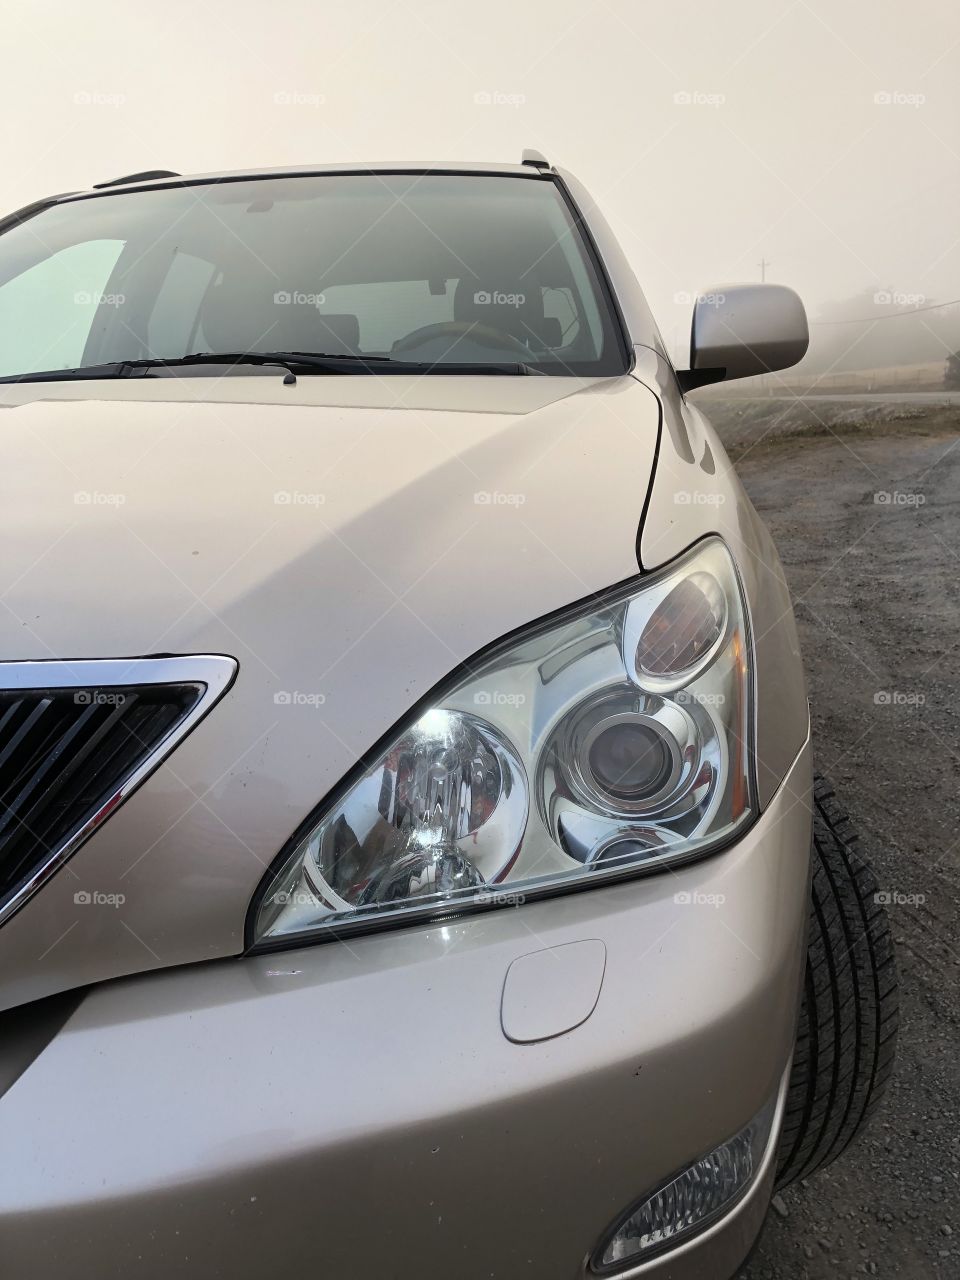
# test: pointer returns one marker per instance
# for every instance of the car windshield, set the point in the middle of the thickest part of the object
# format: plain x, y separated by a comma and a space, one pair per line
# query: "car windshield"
420, 268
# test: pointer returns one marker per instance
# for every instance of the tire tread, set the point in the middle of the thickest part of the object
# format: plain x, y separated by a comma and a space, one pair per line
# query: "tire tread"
846, 1039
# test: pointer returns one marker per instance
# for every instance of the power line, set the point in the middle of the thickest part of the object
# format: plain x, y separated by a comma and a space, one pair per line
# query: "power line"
897, 315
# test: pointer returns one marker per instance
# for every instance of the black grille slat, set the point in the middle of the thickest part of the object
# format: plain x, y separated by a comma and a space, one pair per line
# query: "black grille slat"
15, 745
49, 765
41, 728
46, 807
7, 717
64, 753
121, 754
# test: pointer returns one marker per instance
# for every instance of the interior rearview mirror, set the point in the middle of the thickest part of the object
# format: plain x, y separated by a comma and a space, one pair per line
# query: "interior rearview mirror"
743, 329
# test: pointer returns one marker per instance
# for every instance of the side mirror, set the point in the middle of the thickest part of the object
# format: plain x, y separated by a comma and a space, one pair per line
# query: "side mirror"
743, 329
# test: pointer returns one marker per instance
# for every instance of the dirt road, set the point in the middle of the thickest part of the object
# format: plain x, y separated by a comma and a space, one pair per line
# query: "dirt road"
868, 526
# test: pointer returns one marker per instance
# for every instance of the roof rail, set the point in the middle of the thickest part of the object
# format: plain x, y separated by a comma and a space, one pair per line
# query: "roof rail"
147, 175
14, 219
536, 159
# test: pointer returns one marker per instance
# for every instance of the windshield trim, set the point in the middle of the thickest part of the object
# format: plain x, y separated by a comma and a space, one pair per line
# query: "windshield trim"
609, 294
323, 171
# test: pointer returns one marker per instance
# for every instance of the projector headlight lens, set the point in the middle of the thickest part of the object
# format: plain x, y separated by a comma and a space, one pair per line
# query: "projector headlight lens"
629, 759
614, 739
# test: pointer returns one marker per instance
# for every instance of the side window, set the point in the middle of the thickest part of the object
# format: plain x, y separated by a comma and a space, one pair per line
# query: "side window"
173, 323
47, 311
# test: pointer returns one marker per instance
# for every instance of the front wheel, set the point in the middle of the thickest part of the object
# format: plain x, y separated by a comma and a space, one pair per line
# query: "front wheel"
847, 1034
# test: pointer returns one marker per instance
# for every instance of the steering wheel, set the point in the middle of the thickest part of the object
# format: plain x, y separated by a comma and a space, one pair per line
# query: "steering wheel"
459, 329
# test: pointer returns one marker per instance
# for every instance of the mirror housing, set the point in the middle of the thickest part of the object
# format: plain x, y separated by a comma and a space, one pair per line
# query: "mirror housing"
740, 330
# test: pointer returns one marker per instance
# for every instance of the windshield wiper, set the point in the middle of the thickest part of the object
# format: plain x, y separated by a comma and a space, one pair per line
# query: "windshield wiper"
291, 361
152, 367
114, 370
288, 359
345, 362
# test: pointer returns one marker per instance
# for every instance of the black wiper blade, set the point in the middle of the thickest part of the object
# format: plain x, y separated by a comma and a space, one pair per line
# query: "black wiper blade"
352, 362
346, 362
289, 361
114, 370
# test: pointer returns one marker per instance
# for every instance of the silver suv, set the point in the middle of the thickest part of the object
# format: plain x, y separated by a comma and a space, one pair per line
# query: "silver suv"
406, 789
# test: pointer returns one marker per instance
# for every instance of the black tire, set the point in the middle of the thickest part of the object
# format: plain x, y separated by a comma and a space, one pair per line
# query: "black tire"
847, 1034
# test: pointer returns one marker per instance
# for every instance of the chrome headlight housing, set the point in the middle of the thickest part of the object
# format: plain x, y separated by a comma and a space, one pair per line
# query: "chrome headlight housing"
613, 740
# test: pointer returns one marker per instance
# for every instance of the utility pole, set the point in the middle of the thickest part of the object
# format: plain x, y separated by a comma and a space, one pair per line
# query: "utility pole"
763, 264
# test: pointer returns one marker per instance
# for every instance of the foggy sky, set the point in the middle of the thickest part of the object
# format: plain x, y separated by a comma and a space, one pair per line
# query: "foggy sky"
824, 137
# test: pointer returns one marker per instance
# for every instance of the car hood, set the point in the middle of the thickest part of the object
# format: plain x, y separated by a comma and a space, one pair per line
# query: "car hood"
349, 540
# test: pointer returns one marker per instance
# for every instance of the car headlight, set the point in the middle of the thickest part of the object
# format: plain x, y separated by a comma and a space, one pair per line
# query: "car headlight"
611, 741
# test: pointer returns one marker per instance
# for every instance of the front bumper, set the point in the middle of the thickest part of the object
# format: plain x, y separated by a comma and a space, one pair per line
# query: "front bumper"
356, 1109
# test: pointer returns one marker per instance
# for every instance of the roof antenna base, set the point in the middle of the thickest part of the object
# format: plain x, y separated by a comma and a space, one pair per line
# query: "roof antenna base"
535, 159
148, 175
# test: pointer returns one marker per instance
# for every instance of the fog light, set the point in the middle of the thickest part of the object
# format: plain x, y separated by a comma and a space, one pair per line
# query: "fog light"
689, 1202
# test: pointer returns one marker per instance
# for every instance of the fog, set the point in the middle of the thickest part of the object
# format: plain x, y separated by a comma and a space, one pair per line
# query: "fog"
820, 139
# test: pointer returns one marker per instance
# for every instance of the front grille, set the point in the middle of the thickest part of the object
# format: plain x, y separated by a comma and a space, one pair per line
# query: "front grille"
64, 753
75, 742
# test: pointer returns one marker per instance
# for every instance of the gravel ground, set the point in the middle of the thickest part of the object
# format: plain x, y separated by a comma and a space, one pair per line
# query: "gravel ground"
868, 525
758, 421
